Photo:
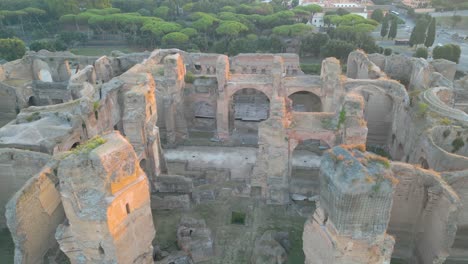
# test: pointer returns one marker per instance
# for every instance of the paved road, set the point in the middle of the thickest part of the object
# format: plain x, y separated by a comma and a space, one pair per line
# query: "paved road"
450, 13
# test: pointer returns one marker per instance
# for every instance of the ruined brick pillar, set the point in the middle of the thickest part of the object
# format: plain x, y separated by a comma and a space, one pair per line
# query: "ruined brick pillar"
332, 88
270, 176
174, 73
106, 199
169, 118
351, 119
349, 225
277, 72
222, 103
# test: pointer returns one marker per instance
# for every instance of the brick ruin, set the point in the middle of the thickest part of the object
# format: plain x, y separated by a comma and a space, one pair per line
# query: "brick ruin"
90, 145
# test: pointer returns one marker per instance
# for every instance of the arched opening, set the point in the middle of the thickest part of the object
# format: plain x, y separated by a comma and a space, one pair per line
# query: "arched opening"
306, 166
424, 164
76, 144
247, 109
306, 102
32, 101
378, 112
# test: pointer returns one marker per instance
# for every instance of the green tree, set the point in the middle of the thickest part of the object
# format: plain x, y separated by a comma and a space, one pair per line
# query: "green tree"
47, 44
12, 49
162, 12
393, 29
294, 3
450, 52
418, 35
191, 32
313, 9
431, 32
313, 43
175, 39
384, 29
378, 15
230, 29
338, 49
292, 30
421, 53
62, 7
388, 51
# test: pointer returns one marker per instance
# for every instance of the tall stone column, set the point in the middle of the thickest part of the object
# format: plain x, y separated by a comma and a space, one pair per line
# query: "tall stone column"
352, 118
277, 72
332, 88
169, 118
222, 118
270, 176
222, 103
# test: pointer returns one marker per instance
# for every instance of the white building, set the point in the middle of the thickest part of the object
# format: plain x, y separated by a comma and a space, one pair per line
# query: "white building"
317, 20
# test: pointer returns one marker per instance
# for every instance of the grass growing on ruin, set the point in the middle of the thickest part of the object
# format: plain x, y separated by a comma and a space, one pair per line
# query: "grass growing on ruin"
88, 146
96, 105
379, 151
422, 109
379, 159
342, 118
189, 77
445, 121
33, 117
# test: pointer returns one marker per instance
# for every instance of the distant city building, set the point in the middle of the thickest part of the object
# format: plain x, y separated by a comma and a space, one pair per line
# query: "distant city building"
358, 7
317, 20
417, 3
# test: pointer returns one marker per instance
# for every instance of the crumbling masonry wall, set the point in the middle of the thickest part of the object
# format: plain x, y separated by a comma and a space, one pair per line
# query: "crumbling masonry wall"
106, 200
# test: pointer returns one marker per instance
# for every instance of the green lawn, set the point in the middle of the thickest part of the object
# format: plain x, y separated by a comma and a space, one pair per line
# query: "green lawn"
448, 22
103, 50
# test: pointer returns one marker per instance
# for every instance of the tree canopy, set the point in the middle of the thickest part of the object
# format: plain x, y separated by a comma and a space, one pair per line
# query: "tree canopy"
12, 49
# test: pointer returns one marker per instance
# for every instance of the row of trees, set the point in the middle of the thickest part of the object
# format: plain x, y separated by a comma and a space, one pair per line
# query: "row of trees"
384, 32
449, 52
222, 26
424, 31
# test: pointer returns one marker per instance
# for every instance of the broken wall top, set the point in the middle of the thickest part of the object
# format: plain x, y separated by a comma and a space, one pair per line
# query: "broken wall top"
99, 162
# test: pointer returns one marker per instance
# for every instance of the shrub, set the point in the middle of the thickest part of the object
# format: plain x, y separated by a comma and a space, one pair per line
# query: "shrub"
421, 53
12, 49
72, 38
445, 121
46, 44
189, 78
342, 118
457, 144
449, 52
311, 68
88, 146
388, 51
422, 109
33, 117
